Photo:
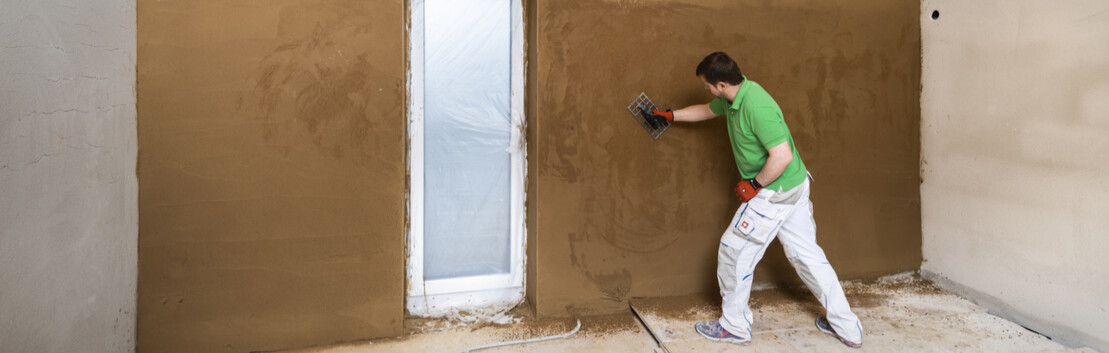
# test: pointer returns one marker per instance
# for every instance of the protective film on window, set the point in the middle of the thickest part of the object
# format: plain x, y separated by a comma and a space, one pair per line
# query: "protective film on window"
467, 124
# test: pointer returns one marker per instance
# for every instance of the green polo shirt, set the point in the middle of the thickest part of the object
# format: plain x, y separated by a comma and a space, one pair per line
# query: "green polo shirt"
755, 124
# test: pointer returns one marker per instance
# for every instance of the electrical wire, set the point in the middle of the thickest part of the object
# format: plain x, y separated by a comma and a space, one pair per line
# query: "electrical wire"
533, 340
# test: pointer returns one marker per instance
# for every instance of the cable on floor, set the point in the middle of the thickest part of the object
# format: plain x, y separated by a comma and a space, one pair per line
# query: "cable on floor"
533, 340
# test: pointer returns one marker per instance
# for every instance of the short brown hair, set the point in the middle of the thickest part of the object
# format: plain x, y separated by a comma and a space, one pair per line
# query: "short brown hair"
719, 67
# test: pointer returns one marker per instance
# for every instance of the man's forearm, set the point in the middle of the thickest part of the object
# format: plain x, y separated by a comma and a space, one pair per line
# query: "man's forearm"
694, 113
780, 157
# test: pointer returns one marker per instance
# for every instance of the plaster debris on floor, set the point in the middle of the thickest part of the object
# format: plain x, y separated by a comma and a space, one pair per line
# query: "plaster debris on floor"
901, 313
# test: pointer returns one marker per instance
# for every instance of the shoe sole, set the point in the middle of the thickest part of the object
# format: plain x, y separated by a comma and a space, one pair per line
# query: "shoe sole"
725, 340
833, 334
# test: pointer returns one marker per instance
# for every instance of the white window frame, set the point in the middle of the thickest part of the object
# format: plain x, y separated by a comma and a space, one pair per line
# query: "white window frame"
487, 294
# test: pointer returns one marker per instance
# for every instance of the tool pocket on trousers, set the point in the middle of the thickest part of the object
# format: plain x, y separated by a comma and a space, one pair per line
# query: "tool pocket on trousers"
757, 221
725, 267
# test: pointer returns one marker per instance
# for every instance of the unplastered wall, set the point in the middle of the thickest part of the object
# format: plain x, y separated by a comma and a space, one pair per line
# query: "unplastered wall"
615, 215
271, 173
68, 192
1015, 114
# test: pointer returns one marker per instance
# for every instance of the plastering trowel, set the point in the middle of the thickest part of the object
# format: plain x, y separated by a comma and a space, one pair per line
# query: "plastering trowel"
640, 108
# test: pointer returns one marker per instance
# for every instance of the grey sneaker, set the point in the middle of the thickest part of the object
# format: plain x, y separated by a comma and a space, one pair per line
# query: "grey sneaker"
716, 333
823, 325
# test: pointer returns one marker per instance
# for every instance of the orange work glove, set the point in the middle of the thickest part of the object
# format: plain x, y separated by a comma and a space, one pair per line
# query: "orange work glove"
657, 117
746, 190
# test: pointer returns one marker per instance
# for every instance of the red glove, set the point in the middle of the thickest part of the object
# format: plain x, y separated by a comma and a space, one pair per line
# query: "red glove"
669, 115
657, 118
747, 189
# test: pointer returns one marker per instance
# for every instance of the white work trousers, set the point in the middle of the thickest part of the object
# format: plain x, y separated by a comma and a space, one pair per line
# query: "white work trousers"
787, 215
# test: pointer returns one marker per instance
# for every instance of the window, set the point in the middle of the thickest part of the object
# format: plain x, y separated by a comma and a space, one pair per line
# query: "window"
466, 126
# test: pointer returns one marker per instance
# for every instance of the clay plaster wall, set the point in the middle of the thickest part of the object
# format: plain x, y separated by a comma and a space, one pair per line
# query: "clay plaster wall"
68, 192
272, 157
615, 215
1014, 106
272, 173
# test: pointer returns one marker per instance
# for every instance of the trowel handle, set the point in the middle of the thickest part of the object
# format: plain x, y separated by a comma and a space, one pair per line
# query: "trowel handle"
657, 118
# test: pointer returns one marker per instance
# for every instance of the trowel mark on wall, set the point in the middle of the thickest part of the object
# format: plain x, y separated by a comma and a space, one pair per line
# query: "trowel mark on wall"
322, 88
631, 225
614, 284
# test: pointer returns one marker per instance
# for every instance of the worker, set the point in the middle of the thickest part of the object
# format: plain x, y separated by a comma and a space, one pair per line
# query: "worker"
774, 202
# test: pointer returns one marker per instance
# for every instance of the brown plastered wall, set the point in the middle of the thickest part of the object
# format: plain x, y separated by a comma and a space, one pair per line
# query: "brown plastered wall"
271, 173
531, 112
617, 215
272, 163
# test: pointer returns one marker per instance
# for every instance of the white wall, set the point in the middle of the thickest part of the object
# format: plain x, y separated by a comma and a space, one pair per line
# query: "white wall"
1015, 133
68, 191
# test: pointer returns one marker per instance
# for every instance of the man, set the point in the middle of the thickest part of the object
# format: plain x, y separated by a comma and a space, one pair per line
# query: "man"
774, 196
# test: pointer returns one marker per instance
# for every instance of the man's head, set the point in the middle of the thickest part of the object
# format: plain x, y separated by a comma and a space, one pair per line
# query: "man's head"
719, 73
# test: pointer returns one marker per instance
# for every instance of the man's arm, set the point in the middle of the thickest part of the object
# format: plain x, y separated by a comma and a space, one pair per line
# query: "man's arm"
694, 113
780, 157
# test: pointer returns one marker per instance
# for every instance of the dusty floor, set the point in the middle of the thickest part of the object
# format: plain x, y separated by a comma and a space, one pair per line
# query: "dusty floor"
900, 314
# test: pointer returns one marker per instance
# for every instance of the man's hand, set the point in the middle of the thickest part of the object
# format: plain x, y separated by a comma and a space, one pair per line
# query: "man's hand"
747, 189
657, 117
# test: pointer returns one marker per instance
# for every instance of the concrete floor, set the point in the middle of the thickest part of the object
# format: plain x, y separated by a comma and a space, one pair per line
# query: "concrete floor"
900, 314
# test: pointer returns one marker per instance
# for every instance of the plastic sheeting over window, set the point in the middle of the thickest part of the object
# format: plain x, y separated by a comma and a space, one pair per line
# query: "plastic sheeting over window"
468, 131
